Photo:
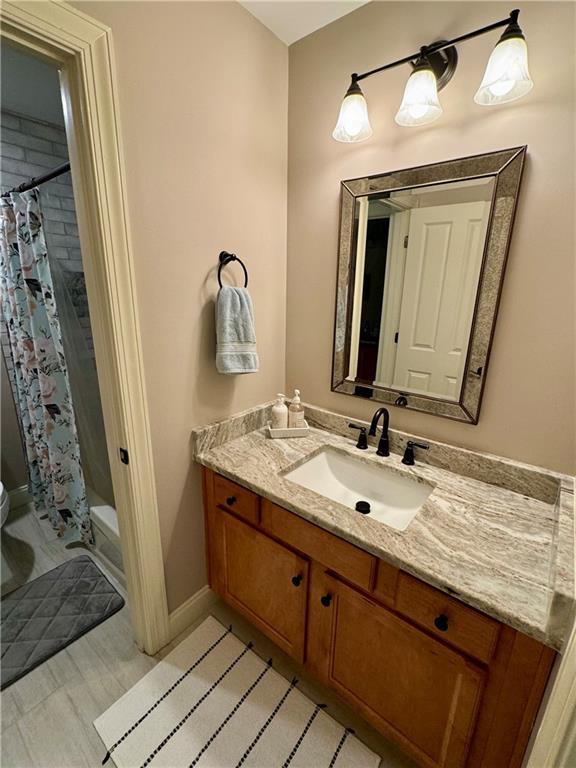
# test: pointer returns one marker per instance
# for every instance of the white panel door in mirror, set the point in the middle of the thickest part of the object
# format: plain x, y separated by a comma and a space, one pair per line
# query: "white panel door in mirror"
417, 276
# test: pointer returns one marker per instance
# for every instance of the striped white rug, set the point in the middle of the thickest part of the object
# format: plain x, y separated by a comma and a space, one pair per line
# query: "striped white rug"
213, 702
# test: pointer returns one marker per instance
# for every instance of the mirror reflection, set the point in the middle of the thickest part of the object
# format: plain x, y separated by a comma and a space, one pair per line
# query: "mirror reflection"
418, 262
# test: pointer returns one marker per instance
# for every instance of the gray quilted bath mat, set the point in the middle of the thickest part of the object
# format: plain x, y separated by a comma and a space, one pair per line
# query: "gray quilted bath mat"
47, 614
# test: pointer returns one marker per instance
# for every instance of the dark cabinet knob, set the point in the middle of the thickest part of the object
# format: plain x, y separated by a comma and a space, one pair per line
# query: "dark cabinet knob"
231, 500
326, 600
297, 580
441, 622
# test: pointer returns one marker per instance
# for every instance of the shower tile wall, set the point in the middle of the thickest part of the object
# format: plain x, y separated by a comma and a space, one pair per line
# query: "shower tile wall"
29, 148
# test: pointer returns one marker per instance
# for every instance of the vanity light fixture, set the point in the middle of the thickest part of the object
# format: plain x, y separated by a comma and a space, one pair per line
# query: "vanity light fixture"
353, 123
420, 104
506, 79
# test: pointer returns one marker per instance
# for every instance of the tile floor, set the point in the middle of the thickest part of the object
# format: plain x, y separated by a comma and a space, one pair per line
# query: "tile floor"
47, 716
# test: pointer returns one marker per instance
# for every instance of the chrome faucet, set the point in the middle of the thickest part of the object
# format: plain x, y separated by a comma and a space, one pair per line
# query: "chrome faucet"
383, 445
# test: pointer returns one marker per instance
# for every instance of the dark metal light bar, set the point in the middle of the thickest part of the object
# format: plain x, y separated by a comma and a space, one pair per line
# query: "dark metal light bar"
435, 47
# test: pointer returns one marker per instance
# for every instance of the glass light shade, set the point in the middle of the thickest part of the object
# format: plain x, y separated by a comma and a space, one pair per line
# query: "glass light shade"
420, 104
507, 77
353, 123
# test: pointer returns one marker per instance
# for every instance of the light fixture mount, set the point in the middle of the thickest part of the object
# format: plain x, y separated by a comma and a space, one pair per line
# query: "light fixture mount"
354, 89
443, 62
513, 29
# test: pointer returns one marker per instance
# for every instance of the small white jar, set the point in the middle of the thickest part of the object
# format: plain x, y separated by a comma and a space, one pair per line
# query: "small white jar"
279, 413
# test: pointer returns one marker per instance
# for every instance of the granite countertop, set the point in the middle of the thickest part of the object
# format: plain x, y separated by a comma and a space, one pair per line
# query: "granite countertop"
508, 553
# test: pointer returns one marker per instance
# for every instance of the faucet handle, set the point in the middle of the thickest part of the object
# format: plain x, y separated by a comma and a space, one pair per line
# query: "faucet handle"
362, 443
409, 452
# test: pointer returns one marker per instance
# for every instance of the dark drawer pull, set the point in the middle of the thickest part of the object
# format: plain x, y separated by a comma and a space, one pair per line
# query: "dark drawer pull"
441, 622
326, 600
297, 580
231, 500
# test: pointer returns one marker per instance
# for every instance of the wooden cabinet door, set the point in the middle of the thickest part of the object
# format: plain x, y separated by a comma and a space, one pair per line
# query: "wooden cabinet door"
414, 689
262, 579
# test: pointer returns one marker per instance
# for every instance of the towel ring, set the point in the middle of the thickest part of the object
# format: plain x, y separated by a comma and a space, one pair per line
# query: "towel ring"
224, 259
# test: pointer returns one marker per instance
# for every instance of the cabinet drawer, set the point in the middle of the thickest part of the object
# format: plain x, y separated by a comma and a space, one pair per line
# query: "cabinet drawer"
461, 626
349, 562
229, 495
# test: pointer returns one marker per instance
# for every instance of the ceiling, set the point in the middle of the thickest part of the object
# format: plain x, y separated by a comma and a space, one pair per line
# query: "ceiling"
290, 20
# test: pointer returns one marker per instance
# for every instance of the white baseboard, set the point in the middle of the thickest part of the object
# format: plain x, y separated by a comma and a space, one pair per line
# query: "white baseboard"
191, 610
19, 496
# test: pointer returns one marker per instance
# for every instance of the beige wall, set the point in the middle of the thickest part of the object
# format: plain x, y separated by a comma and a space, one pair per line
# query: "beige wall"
528, 411
13, 472
203, 96
203, 100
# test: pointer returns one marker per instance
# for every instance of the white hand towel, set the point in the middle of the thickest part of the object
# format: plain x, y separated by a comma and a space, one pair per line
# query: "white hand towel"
235, 333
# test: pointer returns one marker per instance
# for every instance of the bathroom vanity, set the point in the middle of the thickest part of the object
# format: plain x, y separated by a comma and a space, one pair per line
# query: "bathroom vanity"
442, 635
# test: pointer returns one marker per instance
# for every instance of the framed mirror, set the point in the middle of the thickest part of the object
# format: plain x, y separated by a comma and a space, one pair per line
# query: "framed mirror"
422, 254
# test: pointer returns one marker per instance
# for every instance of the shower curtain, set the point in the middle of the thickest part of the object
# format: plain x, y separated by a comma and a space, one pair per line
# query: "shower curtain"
83, 378
43, 391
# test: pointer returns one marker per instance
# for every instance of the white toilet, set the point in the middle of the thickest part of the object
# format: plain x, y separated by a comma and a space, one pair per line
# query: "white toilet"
4, 504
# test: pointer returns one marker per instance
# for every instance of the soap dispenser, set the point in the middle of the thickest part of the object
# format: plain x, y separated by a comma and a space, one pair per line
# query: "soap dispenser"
296, 412
280, 413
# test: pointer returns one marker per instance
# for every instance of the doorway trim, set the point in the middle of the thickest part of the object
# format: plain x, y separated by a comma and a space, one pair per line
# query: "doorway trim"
82, 49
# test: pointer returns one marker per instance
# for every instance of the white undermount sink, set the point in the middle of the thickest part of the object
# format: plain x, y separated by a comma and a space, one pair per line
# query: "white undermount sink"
394, 499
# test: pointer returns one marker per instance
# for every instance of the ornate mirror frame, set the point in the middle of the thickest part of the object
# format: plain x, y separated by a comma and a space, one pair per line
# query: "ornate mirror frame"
505, 166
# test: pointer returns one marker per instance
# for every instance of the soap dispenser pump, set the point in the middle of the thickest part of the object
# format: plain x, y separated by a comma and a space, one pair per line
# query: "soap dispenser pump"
296, 412
280, 413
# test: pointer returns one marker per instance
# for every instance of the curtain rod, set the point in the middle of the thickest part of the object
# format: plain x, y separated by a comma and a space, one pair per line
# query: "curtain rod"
37, 180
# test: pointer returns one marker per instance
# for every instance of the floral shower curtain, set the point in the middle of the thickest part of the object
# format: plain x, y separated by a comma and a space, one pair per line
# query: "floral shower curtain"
43, 389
